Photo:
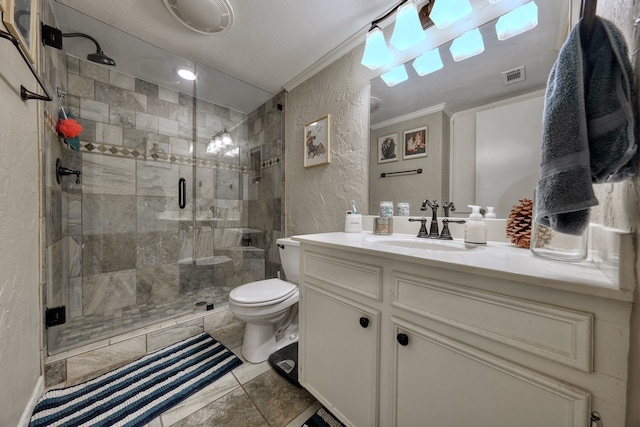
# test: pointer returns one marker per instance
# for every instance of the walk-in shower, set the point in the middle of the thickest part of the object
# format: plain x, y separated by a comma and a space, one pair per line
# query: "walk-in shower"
157, 227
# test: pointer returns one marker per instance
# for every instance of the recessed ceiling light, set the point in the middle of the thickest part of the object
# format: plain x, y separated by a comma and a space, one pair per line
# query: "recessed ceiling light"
186, 74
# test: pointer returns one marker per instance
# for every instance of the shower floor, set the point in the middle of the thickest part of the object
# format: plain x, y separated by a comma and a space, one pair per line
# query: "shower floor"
91, 328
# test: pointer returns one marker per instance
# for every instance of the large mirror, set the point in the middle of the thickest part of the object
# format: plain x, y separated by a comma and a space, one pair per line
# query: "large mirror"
482, 126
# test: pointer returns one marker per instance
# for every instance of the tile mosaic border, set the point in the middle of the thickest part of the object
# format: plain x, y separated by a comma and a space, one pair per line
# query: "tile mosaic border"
159, 156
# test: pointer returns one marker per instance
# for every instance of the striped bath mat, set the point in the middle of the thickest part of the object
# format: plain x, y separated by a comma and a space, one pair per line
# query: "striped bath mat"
138, 392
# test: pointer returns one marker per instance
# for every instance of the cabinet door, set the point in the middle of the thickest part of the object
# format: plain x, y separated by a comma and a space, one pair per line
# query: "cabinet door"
445, 383
339, 355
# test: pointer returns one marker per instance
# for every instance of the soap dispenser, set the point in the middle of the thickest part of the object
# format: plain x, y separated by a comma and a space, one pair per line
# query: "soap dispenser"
490, 212
476, 230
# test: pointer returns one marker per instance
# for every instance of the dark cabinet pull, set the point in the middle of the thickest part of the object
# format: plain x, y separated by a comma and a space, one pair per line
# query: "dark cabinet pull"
403, 339
182, 193
364, 322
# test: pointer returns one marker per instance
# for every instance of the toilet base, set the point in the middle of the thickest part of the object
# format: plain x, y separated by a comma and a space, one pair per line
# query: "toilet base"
260, 341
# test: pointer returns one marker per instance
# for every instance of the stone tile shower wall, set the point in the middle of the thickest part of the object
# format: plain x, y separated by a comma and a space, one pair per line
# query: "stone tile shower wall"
120, 253
266, 193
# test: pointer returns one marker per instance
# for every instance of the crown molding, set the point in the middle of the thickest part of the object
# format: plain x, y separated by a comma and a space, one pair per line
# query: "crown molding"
412, 115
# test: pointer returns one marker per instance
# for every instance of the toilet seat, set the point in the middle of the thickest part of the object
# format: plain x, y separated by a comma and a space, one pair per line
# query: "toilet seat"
262, 292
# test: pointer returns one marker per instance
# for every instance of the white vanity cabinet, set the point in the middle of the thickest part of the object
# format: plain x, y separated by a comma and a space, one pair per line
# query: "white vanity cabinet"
443, 347
341, 359
342, 345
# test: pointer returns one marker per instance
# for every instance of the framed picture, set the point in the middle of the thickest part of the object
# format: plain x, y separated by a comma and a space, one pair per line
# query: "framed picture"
20, 16
415, 143
388, 148
317, 142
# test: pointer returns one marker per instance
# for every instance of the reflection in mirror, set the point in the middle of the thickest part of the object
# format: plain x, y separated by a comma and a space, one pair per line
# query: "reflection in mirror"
507, 74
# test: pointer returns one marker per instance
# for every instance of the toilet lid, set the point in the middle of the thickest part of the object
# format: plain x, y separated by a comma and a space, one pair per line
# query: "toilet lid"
263, 292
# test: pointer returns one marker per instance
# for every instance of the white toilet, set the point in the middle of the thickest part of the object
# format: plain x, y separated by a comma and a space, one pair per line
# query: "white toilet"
269, 307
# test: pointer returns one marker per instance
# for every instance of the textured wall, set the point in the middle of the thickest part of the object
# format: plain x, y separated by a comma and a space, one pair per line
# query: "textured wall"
19, 238
318, 197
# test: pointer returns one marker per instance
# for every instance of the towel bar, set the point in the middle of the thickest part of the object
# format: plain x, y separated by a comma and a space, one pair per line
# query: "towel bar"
25, 93
385, 174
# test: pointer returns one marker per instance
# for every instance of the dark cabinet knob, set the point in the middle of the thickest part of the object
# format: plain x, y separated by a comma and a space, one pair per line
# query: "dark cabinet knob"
364, 322
403, 339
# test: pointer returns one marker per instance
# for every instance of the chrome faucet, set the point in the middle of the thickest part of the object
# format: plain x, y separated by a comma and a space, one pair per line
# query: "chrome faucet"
433, 229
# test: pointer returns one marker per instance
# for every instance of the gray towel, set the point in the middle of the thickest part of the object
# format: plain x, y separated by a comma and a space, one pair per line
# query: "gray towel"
588, 127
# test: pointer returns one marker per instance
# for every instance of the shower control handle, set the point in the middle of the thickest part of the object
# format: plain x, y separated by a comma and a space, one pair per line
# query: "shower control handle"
403, 339
364, 322
182, 193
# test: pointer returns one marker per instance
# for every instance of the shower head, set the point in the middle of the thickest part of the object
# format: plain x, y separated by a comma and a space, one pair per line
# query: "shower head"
99, 57
53, 37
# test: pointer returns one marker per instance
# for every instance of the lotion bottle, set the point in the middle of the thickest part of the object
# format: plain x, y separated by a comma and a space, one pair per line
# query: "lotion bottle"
476, 230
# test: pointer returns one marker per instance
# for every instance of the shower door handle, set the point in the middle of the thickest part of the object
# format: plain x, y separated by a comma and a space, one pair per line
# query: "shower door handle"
182, 193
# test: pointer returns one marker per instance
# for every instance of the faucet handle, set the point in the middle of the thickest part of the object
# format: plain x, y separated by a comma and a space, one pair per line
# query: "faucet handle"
446, 234
448, 206
423, 226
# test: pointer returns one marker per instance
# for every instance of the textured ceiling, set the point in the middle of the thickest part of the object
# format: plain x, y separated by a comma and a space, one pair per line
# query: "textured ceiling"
272, 42
269, 43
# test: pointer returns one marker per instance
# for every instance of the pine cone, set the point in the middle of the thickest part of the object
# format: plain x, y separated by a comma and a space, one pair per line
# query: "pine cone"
519, 223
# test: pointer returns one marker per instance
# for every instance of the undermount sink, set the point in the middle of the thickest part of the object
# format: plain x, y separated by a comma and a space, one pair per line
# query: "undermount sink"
420, 243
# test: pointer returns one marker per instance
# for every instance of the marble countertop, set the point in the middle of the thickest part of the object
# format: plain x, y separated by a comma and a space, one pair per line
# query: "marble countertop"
496, 259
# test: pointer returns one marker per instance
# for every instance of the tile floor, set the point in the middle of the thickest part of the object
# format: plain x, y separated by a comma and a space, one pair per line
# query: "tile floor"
251, 395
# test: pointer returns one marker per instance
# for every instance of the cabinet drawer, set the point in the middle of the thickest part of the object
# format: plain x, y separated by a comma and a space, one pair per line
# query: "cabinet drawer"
555, 333
364, 279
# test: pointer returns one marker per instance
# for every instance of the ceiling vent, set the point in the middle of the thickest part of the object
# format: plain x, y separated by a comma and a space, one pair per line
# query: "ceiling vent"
513, 76
202, 16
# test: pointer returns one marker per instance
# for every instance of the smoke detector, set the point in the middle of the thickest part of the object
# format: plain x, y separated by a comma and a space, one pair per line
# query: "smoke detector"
513, 76
202, 16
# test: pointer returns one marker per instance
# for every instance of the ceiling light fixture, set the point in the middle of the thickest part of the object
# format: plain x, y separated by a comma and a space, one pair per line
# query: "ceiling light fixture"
467, 45
445, 13
232, 153
407, 32
519, 20
376, 53
226, 138
219, 141
211, 147
395, 75
428, 62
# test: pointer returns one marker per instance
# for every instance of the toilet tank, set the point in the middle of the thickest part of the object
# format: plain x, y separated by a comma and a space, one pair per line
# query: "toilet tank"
290, 258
